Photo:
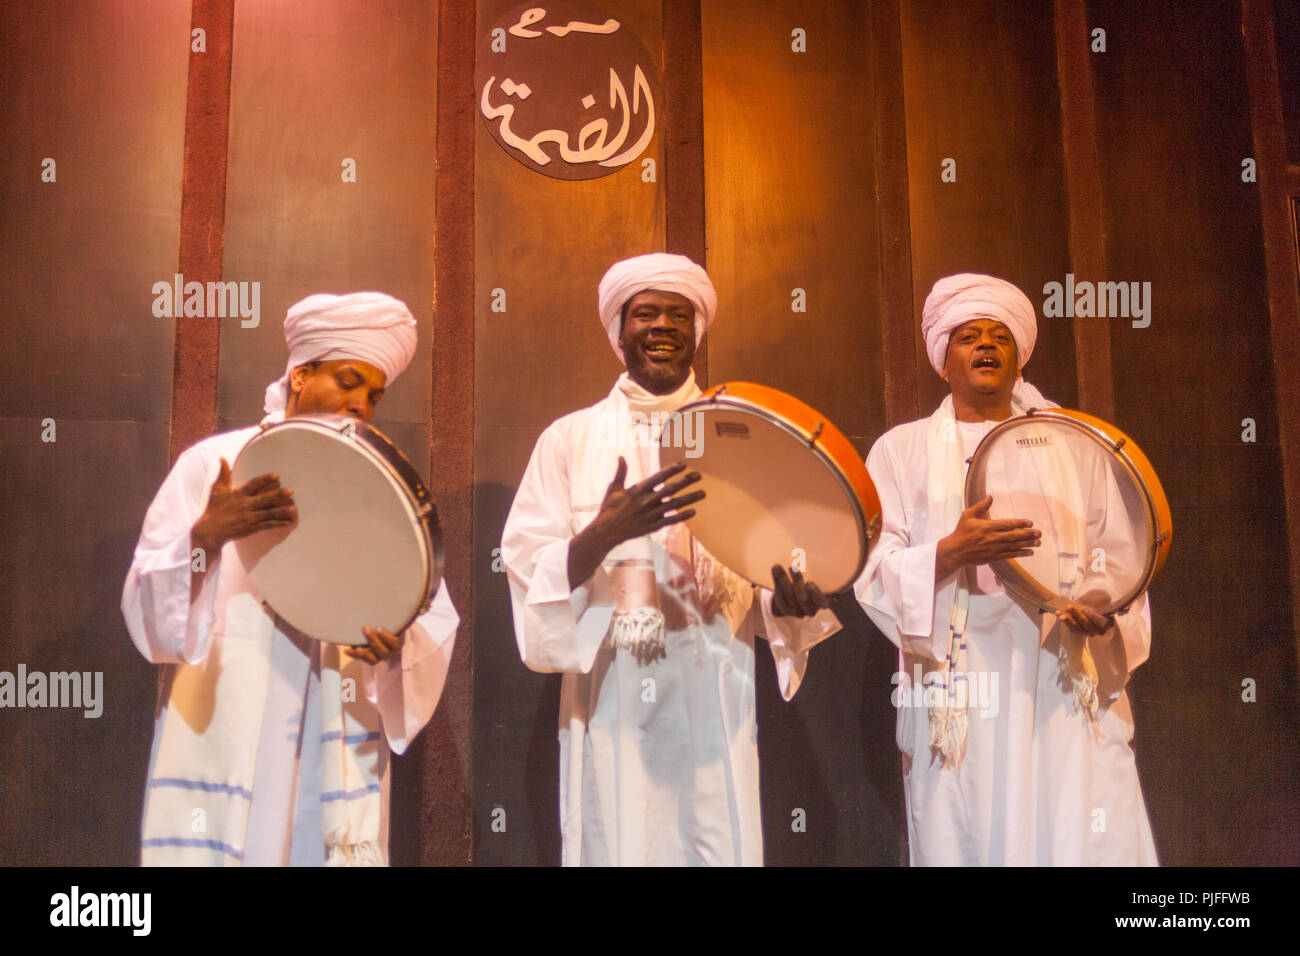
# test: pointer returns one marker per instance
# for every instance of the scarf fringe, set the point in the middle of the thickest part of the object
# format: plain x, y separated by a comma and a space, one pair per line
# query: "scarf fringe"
640, 630
1082, 685
356, 854
948, 733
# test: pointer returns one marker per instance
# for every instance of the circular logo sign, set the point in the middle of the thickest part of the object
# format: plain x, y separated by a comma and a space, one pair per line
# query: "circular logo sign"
567, 90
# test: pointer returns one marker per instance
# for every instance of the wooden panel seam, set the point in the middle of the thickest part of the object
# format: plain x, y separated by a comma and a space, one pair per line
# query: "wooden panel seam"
1092, 352
683, 46
203, 222
897, 306
447, 814
1275, 192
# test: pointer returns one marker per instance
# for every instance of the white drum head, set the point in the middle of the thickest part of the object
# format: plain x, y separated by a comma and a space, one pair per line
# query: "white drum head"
356, 557
770, 499
1096, 518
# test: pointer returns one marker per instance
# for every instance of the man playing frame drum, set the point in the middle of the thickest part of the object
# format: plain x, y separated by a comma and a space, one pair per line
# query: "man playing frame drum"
1012, 753
271, 747
658, 738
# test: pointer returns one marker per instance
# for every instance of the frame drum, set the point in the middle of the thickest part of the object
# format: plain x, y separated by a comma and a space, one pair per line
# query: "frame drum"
367, 549
1096, 499
782, 485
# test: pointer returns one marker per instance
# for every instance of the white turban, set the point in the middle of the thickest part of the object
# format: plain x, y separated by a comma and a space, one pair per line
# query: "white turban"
368, 326
956, 300
661, 272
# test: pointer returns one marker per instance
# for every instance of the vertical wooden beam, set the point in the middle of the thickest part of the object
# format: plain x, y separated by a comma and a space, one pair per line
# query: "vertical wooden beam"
203, 222
446, 814
894, 218
1277, 187
684, 141
897, 307
1083, 188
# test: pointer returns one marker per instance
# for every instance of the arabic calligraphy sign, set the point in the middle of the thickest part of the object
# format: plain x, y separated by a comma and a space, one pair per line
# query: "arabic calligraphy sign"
567, 89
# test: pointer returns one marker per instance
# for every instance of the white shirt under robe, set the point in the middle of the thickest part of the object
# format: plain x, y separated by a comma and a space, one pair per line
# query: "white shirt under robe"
658, 759
284, 822
1038, 784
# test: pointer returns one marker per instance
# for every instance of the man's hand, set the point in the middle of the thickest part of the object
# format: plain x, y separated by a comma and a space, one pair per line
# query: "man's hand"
628, 513
380, 646
792, 596
232, 513
1082, 615
978, 539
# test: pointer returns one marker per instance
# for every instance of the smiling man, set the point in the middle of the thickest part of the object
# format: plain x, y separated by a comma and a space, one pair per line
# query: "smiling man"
244, 736
658, 739
1043, 772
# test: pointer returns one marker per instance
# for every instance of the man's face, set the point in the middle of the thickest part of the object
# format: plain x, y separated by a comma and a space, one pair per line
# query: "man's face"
981, 359
658, 340
340, 387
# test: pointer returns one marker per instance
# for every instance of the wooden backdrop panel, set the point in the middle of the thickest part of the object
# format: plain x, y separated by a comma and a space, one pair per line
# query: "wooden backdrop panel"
790, 204
545, 242
313, 84
1220, 774
980, 86
103, 95
1286, 29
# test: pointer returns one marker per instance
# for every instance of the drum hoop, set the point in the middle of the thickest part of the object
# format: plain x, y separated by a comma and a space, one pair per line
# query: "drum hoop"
813, 442
414, 495
1159, 534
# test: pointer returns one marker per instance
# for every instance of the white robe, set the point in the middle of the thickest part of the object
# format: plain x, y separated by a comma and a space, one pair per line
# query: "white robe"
1037, 785
284, 821
658, 760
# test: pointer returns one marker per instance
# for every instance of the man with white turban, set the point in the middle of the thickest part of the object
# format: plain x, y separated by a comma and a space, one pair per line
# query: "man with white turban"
658, 737
1014, 753
271, 747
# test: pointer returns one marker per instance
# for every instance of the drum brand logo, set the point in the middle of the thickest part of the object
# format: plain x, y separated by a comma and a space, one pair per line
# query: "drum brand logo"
1033, 440
732, 429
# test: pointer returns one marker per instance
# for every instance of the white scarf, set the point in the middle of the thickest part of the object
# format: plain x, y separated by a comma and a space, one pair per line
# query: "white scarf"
945, 488
202, 785
629, 423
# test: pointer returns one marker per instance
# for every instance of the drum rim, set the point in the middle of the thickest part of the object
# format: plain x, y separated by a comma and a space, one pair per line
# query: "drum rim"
400, 473
712, 397
1161, 536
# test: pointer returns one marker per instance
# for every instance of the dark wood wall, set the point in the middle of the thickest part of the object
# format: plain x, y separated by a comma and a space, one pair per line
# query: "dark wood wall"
103, 95
1173, 126
782, 170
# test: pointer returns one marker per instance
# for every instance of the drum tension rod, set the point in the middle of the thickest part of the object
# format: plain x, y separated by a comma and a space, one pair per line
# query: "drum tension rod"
1164, 536
1120, 444
816, 434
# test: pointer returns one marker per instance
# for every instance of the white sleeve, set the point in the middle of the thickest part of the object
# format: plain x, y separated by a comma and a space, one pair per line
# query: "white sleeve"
556, 628
898, 589
164, 626
1120, 651
406, 691
791, 638
1123, 648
